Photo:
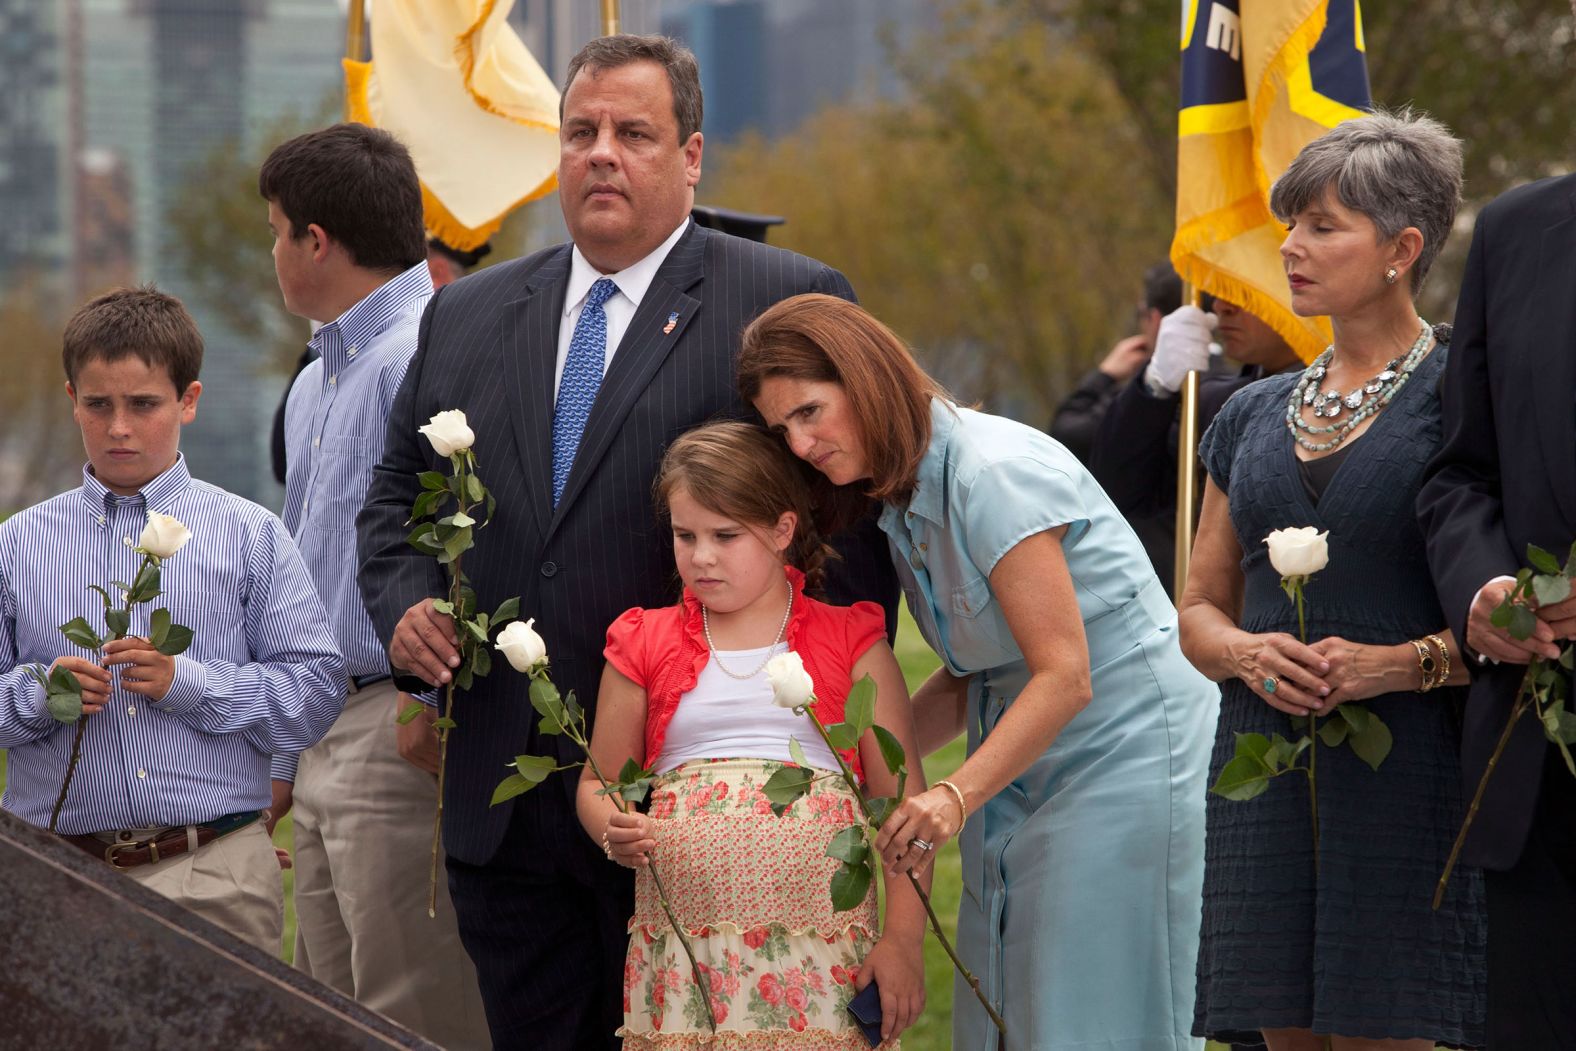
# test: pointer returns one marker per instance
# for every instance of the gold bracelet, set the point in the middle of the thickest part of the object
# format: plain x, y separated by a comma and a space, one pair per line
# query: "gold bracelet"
957, 793
1425, 664
1444, 659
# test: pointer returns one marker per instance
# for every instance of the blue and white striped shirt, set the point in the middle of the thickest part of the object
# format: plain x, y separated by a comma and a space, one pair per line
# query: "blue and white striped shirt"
334, 424
262, 675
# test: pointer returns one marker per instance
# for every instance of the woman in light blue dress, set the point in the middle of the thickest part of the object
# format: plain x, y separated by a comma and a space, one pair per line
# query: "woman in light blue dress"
1081, 803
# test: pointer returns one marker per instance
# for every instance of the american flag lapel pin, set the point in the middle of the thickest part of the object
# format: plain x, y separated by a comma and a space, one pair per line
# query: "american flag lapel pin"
673, 320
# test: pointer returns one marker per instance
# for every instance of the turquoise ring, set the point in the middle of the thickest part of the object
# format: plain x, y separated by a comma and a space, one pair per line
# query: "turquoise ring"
1270, 682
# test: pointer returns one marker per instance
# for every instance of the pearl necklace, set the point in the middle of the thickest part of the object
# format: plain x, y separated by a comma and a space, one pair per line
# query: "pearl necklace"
1365, 400
705, 625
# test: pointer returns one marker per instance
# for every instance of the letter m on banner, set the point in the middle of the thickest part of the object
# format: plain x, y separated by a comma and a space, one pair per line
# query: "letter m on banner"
1260, 80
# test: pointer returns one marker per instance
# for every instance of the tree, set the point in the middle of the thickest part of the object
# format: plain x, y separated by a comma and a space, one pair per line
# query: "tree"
40, 447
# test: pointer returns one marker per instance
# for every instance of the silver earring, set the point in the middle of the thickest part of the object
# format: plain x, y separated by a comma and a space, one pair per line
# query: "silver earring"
1390, 275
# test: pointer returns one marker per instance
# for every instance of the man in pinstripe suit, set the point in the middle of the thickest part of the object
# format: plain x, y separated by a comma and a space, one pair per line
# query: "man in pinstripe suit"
541, 911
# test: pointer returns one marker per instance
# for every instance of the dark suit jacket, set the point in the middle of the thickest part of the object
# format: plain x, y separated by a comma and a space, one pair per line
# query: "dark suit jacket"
487, 346
1506, 474
1135, 456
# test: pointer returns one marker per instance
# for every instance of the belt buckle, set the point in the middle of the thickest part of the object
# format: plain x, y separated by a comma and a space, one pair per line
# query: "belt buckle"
114, 848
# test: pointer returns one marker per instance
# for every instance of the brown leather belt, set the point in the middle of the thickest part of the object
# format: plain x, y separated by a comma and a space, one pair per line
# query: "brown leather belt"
133, 853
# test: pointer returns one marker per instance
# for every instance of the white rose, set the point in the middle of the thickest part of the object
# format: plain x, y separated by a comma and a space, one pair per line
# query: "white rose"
1299, 552
449, 433
790, 683
524, 647
162, 536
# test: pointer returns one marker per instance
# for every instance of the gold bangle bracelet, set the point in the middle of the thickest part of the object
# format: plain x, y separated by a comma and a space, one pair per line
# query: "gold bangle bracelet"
1426, 665
1444, 659
957, 793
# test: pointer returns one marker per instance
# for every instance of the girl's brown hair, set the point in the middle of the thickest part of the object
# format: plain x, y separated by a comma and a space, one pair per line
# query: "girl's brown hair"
824, 339
742, 471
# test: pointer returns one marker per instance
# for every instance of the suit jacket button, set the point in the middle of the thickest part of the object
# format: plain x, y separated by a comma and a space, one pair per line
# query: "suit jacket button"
549, 568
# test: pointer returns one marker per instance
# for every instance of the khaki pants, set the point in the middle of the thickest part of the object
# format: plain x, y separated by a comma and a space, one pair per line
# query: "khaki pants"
363, 841
233, 882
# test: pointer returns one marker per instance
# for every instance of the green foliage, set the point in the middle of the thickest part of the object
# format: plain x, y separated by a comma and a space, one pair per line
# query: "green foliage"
786, 786
850, 884
412, 710
62, 693
81, 633
531, 770
633, 784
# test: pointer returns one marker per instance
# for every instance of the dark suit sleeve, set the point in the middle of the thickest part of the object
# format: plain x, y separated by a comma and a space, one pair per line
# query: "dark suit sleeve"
832, 282
1132, 458
1459, 505
394, 576
1076, 423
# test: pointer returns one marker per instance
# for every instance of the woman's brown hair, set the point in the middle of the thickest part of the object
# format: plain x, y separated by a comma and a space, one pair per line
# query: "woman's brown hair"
744, 472
824, 339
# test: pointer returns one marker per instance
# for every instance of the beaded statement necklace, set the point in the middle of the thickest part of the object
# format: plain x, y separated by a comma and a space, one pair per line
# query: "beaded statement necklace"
1356, 405
716, 659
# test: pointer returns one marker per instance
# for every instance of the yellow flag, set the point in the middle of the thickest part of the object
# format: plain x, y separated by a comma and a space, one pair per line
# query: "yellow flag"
1260, 80
455, 84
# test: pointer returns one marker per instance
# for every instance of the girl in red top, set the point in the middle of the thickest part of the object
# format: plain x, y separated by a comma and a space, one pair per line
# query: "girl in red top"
685, 692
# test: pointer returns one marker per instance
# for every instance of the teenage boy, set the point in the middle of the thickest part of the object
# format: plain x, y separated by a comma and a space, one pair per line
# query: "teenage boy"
350, 252
173, 782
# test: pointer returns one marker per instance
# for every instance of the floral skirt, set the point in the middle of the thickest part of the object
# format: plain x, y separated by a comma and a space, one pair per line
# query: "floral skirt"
752, 891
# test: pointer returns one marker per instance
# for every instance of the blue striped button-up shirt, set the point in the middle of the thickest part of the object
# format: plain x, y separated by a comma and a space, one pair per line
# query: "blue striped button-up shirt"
334, 424
262, 675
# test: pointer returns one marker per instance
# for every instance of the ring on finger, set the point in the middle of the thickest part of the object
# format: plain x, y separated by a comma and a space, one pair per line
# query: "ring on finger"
1271, 683
922, 844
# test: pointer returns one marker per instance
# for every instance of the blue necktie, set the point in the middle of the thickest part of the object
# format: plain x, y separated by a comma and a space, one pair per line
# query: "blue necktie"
581, 380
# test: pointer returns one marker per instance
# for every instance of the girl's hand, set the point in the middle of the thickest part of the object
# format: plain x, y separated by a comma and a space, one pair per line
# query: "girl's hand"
930, 817
1296, 670
627, 840
898, 967
1359, 671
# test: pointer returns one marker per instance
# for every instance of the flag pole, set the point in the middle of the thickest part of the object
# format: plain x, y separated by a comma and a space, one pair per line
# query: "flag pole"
1187, 467
610, 20
355, 38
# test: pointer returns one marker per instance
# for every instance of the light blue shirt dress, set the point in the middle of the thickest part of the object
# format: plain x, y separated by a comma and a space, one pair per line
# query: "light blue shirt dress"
1082, 879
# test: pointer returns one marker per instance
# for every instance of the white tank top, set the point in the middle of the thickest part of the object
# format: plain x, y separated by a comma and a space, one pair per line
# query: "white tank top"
728, 718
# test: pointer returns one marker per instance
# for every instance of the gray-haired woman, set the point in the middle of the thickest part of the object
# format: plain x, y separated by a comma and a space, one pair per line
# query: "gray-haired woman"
1342, 944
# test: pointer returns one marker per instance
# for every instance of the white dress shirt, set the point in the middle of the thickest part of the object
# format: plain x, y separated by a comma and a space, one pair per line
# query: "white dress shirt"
632, 282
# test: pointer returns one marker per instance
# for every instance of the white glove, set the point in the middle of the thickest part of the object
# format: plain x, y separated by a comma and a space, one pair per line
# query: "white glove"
1181, 347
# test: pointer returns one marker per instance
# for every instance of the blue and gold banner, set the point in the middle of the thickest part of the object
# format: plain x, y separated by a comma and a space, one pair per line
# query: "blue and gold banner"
1260, 80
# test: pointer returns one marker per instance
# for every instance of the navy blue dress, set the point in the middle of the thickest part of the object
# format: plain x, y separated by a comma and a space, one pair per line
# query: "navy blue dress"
1355, 949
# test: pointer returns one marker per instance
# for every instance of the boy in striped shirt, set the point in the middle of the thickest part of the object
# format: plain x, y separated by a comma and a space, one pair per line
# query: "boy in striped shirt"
172, 786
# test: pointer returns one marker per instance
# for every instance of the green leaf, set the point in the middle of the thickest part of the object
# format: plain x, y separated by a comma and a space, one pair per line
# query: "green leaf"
492, 505
1541, 560
432, 481
1565, 753
1333, 732
102, 594
511, 786
424, 506
481, 661
1523, 622
1372, 744
81, 633
423, 539
474, 489
1356, 716
464, 677
63, 680
1568, 658
63, 707
117, 622
1255, 747
892, 752
635, 791
548, 704
859, 711
412, 710
535, 768
1552, 589
796, 750
158, 627
176, 642
145, 585
459, 543
507, 611
850, 884
881, 808
1241, 779
849, 845
444, 606
476, 631
785, 787
443, 722
843, 736
1500, 618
